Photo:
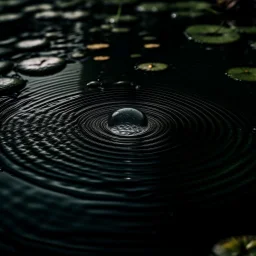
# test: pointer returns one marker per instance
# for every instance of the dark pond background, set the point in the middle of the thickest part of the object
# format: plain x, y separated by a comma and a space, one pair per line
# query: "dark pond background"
71, 187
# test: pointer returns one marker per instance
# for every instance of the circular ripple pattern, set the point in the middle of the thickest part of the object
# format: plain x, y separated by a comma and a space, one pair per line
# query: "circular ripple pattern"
61, 155
61, 141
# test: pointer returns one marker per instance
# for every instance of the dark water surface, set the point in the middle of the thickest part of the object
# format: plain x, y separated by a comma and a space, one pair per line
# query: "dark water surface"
174, 171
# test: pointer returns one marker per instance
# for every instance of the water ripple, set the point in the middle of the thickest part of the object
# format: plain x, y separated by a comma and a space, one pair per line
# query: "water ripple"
59, 140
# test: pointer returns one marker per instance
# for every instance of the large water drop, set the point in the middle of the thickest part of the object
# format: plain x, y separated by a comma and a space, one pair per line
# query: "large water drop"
127, 122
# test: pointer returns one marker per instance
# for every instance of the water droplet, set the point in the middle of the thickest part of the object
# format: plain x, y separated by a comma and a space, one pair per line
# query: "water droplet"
127, 122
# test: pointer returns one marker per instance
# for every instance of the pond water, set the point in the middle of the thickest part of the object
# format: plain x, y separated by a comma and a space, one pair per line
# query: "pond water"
125, 130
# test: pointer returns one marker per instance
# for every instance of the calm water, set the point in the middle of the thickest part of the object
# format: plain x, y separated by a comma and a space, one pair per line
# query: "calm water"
100, 154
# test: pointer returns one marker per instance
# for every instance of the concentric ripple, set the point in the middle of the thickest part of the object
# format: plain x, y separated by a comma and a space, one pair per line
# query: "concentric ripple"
56, 144
61, 140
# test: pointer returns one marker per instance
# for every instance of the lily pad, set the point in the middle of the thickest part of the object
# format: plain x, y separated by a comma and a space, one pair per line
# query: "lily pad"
37, 7
32, 44
247, 30
78, 54
187, 14
117, 2
98, 46
67, 4
47, 15
75, 15
120, 30
195, 5
40, 66
212, 34
242, 245
152, 66
10, 85
242, 74
10, 17
121, 18
135, 55
153, 7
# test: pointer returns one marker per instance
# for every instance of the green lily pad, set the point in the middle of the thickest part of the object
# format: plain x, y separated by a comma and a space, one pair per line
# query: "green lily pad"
120, 30
187, 14
106, 27
242, 74
153, 7
195, 5
95, 30
121, 18
135, 55
212, 34
149, 38
117, 2
67, 4
152, 66
247, 30
241, 245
